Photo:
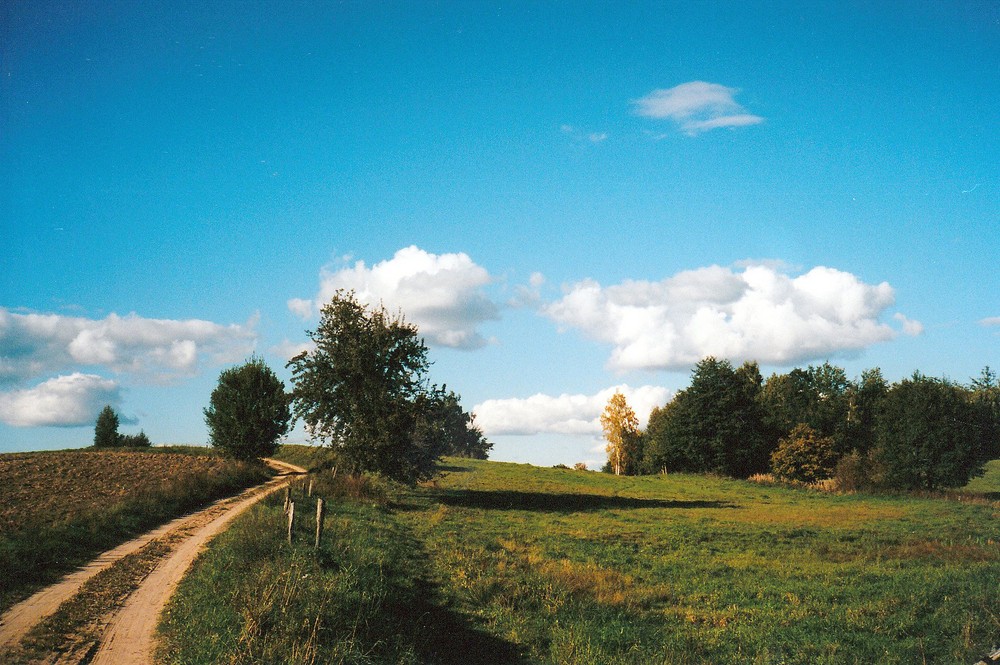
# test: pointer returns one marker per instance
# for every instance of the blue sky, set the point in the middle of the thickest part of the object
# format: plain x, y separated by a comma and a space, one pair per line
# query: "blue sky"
567, 198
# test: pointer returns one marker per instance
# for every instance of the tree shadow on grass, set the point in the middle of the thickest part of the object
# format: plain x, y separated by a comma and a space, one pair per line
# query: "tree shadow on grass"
561, 502
417, 616
445, 637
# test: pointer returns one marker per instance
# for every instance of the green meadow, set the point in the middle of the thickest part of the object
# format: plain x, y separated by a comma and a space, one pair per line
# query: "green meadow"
497, 562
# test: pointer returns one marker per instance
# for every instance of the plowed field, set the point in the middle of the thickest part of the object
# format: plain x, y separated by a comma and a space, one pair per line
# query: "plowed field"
56, 487
59, 509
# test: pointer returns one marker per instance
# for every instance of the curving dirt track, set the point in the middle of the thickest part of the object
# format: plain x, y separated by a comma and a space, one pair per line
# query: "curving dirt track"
129, 636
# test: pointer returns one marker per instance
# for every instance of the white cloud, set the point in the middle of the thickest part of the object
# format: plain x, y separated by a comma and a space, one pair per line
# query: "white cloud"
301, 308
159, 349
758, 313
563, 414
441, 293
530, 294
65, 401
910, 327
581, 136
696, 107
990, 321
287, 350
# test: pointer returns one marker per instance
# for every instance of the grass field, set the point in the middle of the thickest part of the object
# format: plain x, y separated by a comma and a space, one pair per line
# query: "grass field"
989, 483
511, 563
59, 509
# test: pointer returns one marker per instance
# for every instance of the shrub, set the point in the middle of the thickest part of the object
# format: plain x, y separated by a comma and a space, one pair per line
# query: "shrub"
249, 411
804, 456
139, 440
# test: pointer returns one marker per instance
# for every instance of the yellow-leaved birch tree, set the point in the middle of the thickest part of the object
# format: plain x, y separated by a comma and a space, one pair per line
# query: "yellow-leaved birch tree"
621, 429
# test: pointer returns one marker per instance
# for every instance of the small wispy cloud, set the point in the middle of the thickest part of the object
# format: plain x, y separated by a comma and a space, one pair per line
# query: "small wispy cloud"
910, 327
990, 321
696, 107
580, 136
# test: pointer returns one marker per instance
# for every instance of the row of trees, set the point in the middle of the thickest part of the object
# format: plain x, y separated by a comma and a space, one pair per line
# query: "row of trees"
815, 423
363, 390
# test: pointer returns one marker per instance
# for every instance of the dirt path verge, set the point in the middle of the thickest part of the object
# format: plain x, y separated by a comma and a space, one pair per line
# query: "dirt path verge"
136, 620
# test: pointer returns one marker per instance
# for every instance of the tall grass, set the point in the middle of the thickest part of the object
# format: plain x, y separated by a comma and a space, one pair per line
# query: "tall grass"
562, 566
362, 597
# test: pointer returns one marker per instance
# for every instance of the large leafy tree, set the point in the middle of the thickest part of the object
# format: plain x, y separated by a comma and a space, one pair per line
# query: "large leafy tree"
927, 435
249, 411
440, 417
715, 425
363, 391
106, 429
621, 430
864, 403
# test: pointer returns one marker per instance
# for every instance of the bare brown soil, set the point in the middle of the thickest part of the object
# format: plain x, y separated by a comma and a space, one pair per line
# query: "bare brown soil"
56, 487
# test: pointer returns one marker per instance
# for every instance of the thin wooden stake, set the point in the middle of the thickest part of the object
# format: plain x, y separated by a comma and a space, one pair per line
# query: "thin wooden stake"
310, 487
291, 520
320, 514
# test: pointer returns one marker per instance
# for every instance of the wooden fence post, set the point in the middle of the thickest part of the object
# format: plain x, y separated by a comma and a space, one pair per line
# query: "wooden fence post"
288, 497
310, 487
291, 519
320, 514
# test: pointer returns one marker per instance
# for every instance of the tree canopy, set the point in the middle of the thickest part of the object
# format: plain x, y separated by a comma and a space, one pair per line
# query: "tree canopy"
927, 435
363, 390
106, 428
248, 412
715, 425
621, 430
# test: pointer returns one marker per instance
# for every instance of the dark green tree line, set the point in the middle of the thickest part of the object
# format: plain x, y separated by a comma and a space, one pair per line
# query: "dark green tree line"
920, 433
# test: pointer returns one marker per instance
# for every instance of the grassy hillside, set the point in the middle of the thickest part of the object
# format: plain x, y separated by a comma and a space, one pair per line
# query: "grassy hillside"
59, 509
511, 563
989, 483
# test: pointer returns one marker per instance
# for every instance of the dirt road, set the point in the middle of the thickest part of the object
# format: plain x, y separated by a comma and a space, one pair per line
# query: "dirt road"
128, 638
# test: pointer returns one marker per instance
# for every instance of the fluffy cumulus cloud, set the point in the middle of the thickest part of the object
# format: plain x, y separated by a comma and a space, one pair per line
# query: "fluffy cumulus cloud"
563, 414
696, 107
65, 401
443, 294
756, 312
157, 349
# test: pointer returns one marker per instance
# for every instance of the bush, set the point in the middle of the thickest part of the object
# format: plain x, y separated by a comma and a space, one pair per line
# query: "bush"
804, 456
139, 440
249, 411
856, 472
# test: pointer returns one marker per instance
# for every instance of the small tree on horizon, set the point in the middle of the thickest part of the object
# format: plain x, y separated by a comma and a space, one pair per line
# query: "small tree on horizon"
621, 429
248, 412
106, 429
